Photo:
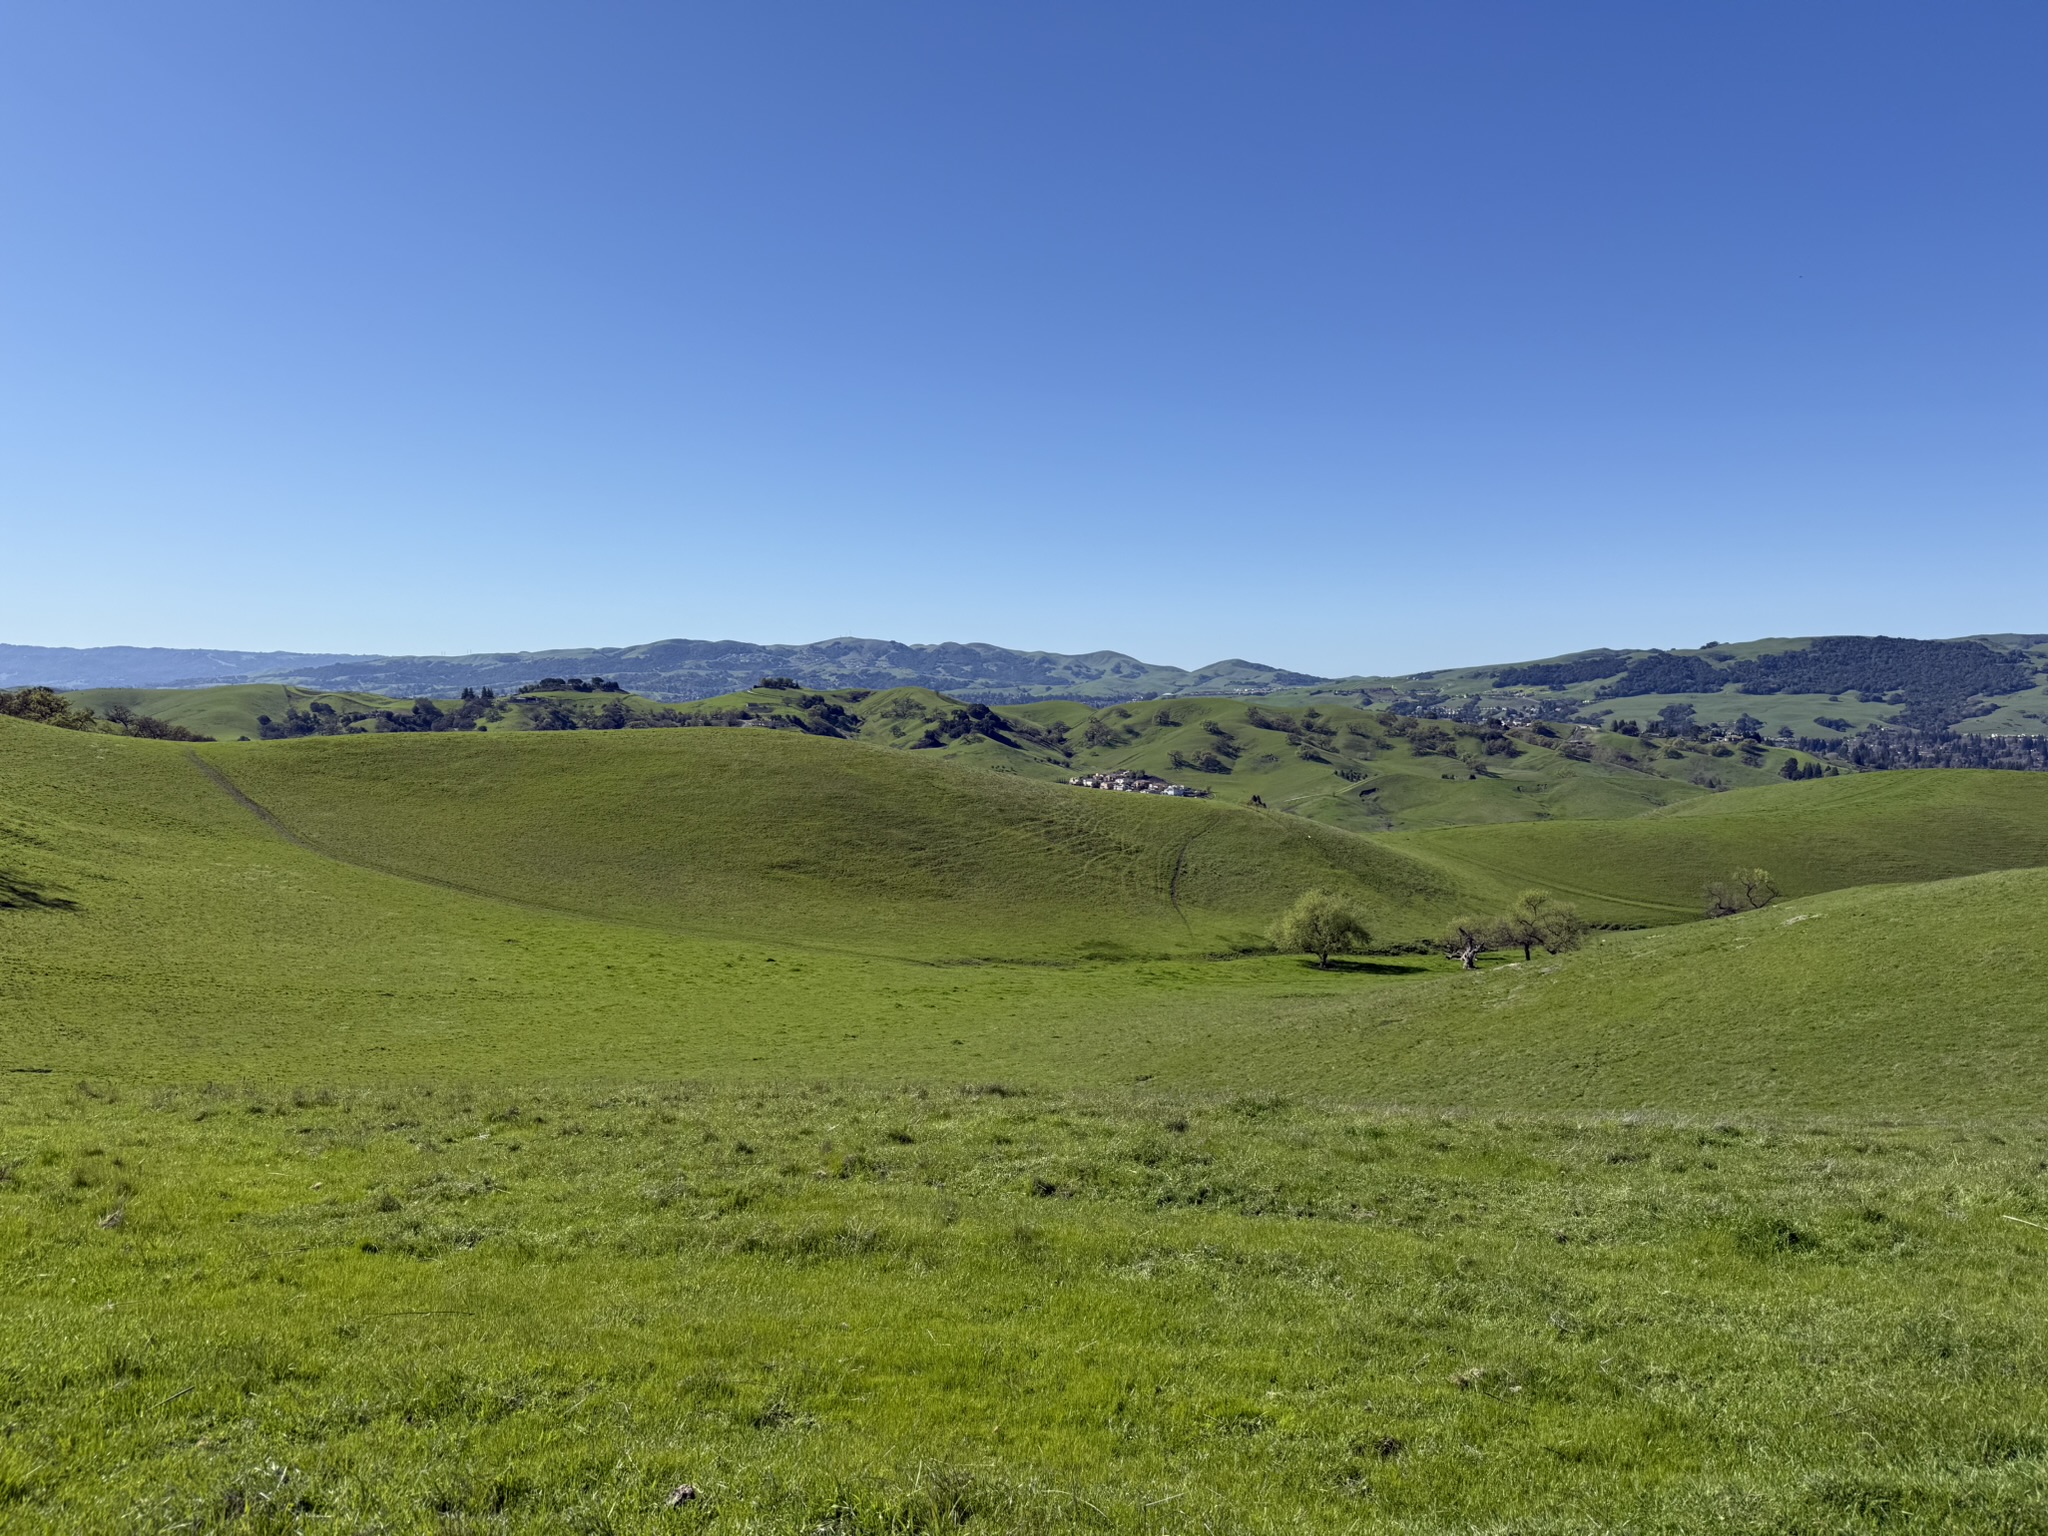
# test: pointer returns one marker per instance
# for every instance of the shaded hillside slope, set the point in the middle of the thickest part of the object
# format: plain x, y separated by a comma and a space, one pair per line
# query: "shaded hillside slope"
1823, 834
761, 834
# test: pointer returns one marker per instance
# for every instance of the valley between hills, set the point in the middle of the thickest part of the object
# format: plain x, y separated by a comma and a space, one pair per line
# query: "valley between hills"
497, 1112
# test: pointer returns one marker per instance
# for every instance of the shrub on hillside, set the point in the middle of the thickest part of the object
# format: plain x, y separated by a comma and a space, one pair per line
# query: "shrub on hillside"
1747, 890
1320, 924
1539, 919
46, 706
149, 727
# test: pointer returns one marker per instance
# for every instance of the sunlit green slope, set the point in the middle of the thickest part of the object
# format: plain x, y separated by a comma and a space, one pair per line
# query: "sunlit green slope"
1910, 1000
774, 834
1822, 834
228, 711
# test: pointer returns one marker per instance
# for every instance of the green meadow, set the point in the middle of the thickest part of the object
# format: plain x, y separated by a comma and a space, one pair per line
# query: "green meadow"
502, 1131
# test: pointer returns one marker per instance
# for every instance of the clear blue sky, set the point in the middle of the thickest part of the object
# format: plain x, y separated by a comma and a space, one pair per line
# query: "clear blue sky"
1349, 337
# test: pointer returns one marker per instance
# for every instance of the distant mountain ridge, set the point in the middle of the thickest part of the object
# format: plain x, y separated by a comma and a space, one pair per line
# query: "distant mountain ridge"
1985, 682
140, 666
675, 670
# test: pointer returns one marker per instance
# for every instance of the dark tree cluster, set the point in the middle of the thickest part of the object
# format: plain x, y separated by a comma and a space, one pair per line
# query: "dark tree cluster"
1935, 683
1665, 672
1536, 920
1425, 738
573, 685
1101, 732
319, 718
1880, 664
1562, 674
474, 710
828, 718
972, 720
1882, 748
46, 706
129, 723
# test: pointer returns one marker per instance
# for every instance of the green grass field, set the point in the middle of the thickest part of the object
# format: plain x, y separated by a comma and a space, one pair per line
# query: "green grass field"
492, 1133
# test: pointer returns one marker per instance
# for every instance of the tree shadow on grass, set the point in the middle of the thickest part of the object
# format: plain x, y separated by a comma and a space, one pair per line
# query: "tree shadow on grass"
17, 892
1366, 967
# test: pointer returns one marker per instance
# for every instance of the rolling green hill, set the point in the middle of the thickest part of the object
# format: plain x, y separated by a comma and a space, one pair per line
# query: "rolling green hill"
231, 710
665, 901
1366, 771
778, 835
150, 921
1820, 835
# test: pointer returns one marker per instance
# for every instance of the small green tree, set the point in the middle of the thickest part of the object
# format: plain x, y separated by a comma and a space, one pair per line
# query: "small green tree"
1320, 924
1537, 917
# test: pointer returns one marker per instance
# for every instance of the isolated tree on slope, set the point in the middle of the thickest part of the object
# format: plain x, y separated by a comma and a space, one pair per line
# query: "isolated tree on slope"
1320, 924
1471, 937
1537, 917
1747, 890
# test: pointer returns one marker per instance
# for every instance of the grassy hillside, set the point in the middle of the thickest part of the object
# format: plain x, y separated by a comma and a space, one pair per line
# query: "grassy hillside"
154, 925
1879, 1001
571, 904
230, 711
1819, 835
777, 835
1363, 770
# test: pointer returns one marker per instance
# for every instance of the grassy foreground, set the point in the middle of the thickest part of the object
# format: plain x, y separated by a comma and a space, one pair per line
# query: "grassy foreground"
861, 1310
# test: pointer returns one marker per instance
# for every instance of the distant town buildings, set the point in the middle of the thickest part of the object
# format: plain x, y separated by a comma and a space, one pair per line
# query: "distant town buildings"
1132, 782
